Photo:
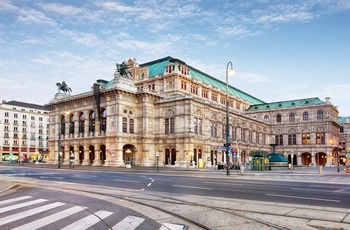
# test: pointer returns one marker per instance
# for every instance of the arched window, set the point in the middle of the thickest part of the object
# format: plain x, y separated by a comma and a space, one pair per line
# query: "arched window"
63, 125
92, 122
320, 114
305, 116
266, 118
103, 120
81, 122
278, 118
291, 117
71, 123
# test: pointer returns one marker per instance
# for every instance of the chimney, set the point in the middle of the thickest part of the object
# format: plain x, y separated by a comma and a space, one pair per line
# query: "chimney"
328, 100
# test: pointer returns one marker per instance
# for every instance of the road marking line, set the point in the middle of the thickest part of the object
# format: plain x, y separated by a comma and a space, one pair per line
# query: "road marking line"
167, 226
129, 181
21, 205
50, 219
183, 186
129, 223
31, 212
15, 199
305, 198
222, 183
88, 221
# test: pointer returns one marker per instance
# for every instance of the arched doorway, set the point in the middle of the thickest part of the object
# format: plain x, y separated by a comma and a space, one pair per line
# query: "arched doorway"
170, 156
173, 156
102, 154
128, 154
305, 159
321, 158
81, 154
167, 156
91, 154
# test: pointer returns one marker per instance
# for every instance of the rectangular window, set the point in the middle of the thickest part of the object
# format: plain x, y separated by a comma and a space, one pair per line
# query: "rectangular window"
183, 85
131, 125
279, 139
305, 139
234, 133
194, 89
214, 97
238, 105
125, 125
320, 138
32, 118
198, 126
6, 114
230, 103
212, 129
15, 115
169, 125
24, 116
205, 93
242, 135
223, 100
292, 139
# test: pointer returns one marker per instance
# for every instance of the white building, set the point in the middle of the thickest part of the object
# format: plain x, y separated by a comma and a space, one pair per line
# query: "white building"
24, 131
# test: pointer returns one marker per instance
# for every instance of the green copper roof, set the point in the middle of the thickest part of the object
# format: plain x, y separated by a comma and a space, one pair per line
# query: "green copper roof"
286, 104
343, 119
157, 67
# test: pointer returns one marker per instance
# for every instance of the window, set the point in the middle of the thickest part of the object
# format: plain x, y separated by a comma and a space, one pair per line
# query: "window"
183, 85
71, 124
205, 93
341, 130
169, 125
92, 122
32, 118
81, 123
194, 89
230, 103
305, 139
131, 125
291, 117
238, 105
184, 70
24, 116
279, 139
223, 100
320, 138
320, 114
214, 97
24, 123
250, 136
278, 118
305, 116
213, 130
103, 117
266, 118
40, 119
292, 139
152, 87
6, 114
242, 135
15, 115
234, 133
125, 124
198, 126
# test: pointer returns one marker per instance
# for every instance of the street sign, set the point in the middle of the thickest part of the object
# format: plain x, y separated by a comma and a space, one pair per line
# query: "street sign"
221, 148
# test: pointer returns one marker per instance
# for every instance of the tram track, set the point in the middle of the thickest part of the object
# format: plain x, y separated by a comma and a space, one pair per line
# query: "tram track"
159, 202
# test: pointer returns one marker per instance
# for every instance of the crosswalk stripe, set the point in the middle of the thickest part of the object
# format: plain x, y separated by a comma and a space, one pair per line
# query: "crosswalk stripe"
21, 205
15, 199
31, 212
88, 221
50, 219
129, 223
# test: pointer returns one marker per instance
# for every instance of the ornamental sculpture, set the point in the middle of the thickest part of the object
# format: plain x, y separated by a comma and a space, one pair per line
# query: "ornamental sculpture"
64, 87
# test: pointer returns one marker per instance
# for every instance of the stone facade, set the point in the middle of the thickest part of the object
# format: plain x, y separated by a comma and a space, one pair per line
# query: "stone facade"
170, 108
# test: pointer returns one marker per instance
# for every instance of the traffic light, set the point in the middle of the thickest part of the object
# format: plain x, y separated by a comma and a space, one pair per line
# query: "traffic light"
229, 144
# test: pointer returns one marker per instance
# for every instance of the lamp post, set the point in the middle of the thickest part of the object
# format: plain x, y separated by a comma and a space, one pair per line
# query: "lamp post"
59, 138
157, 156
227, 119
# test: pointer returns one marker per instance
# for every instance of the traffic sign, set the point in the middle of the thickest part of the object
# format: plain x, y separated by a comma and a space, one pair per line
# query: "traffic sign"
221, 148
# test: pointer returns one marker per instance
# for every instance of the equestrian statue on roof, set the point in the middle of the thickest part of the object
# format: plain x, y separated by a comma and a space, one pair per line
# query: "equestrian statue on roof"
64, 87
123, 70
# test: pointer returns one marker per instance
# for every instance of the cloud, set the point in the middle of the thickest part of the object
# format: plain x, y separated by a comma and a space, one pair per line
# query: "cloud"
6, 5
61, 9
32, 16
252, 78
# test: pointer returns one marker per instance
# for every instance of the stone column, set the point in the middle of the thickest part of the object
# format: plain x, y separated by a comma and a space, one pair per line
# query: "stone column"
86, 160
97, 160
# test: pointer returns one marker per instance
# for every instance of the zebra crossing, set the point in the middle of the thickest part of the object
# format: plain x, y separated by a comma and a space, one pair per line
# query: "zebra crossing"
16, 209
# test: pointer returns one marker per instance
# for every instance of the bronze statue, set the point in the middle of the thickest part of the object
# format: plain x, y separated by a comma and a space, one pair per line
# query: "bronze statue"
64, 87
123, 71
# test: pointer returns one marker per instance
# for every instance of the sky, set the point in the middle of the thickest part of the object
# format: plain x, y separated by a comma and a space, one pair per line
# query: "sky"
281, 49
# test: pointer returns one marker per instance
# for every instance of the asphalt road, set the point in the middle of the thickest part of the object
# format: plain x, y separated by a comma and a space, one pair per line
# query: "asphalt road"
326, 191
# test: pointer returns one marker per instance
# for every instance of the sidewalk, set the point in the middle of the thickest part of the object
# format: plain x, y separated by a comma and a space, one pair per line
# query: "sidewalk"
293, 216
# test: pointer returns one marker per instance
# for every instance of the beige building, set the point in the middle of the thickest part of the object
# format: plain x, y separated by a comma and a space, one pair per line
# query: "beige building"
24, 131
170, 108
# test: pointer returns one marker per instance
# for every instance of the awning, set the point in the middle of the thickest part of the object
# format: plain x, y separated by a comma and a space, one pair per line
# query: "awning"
276, 157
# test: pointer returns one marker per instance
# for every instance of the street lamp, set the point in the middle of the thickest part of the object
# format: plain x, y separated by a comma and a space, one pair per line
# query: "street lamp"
157, 156
231, 72
59, 138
